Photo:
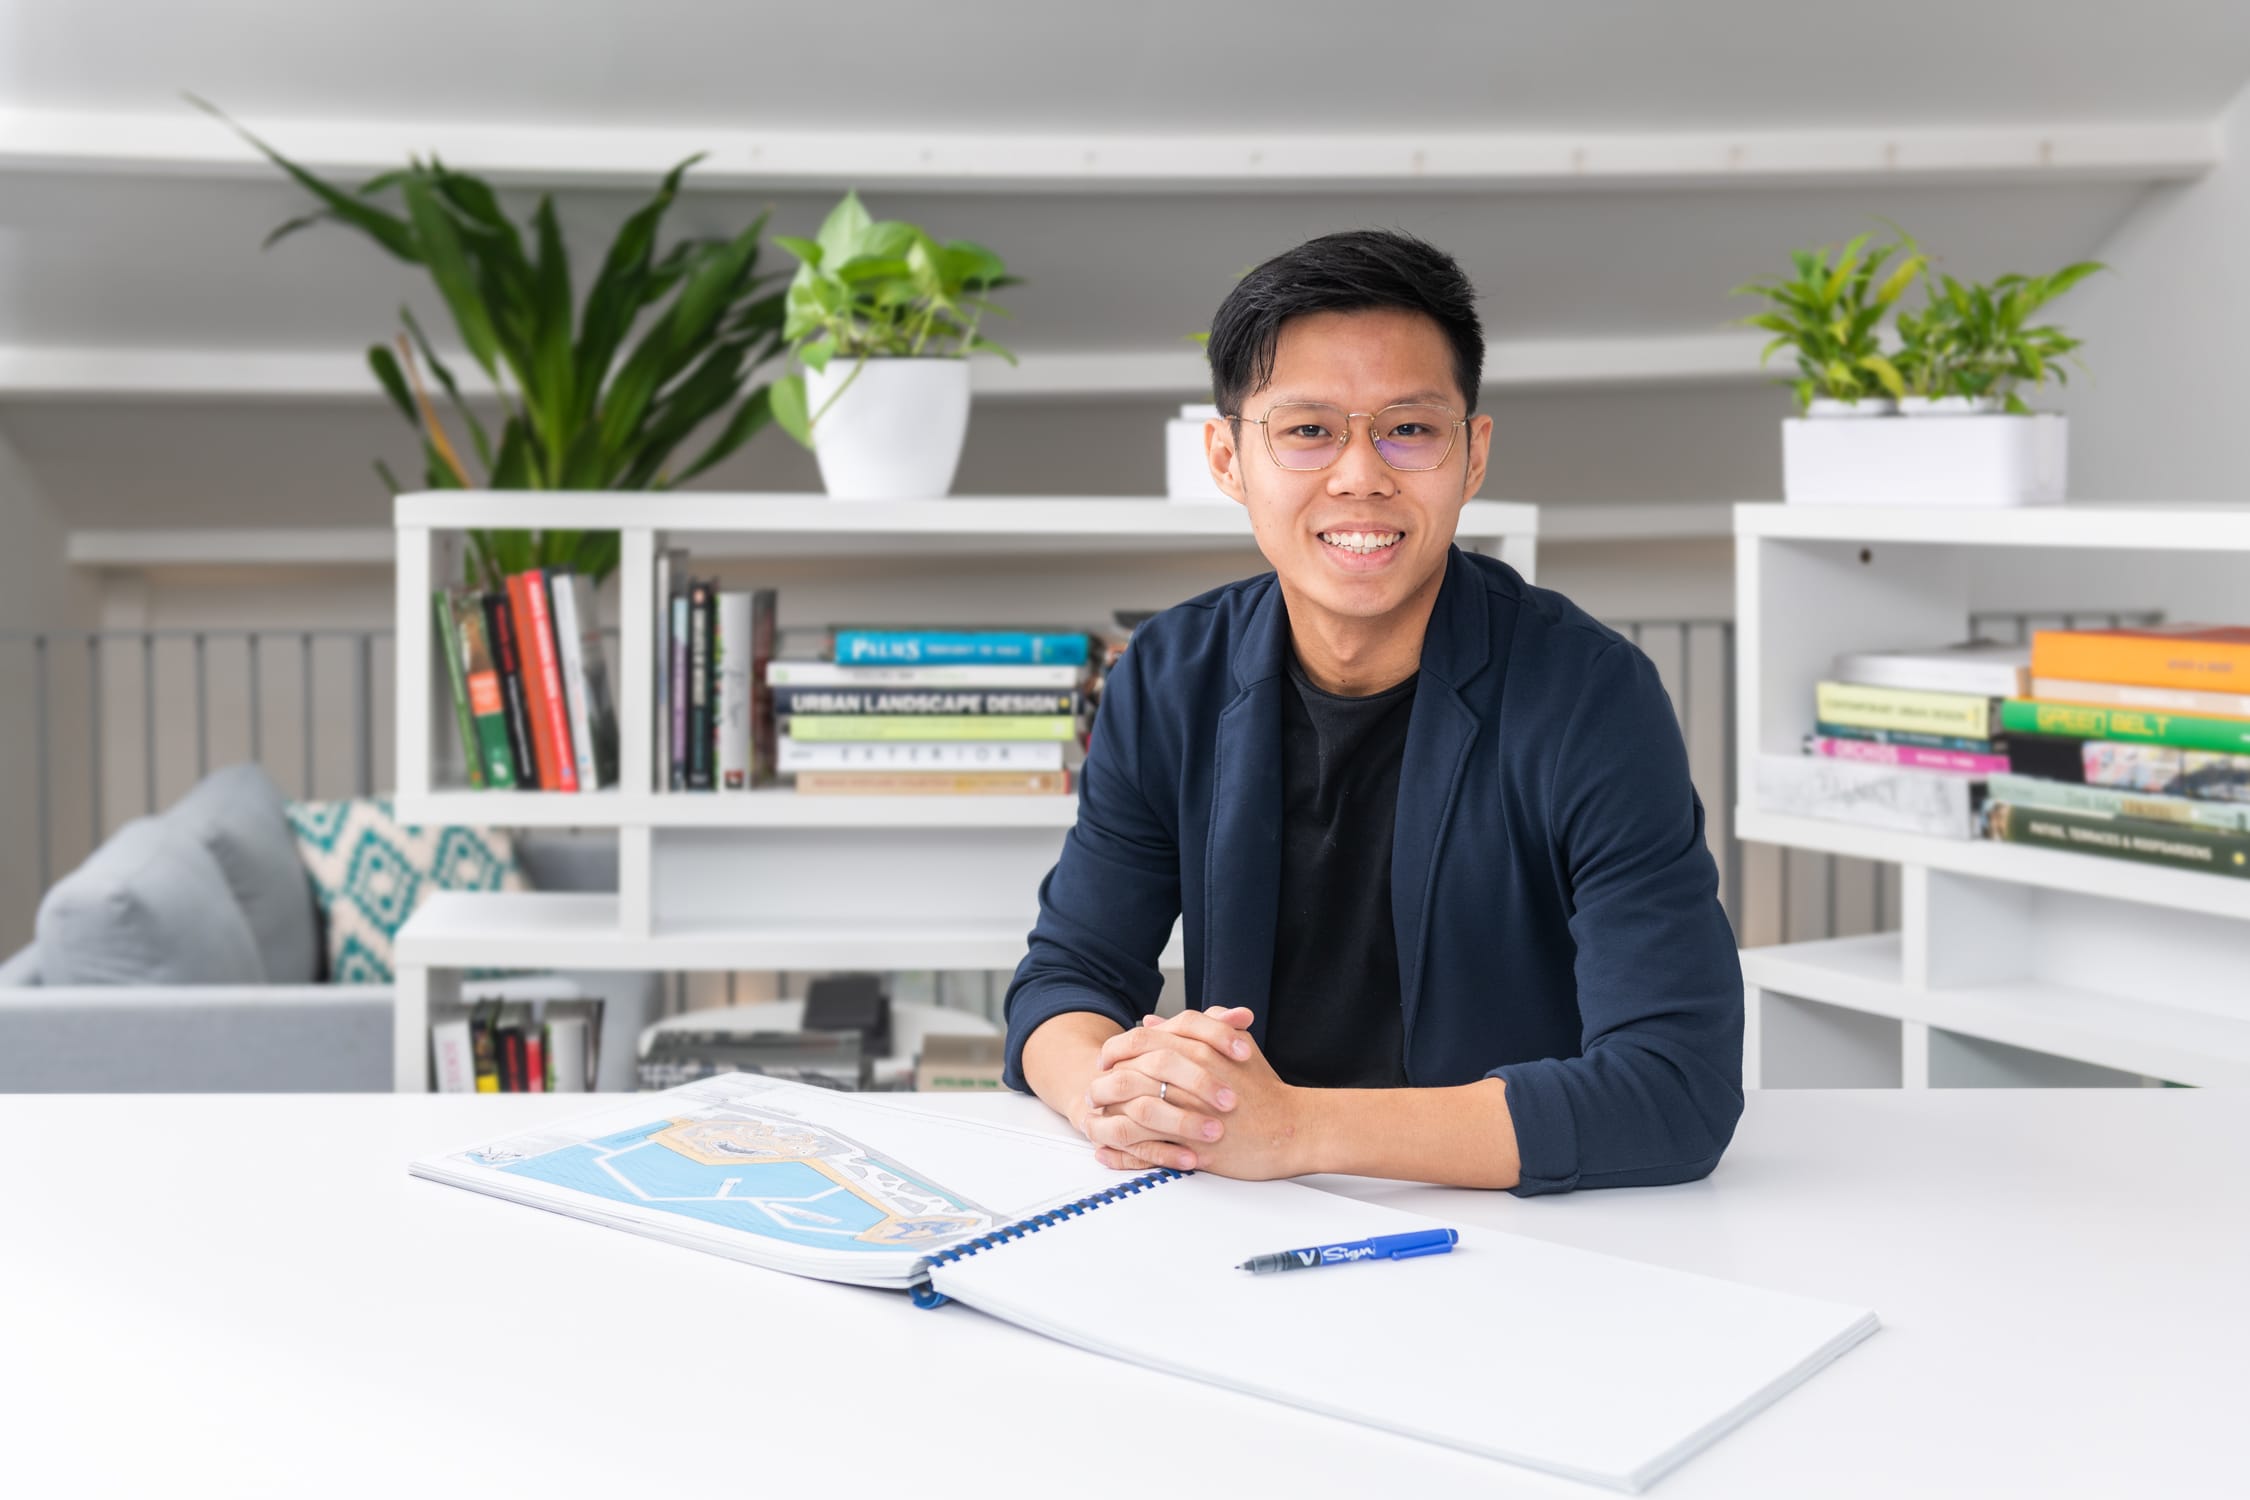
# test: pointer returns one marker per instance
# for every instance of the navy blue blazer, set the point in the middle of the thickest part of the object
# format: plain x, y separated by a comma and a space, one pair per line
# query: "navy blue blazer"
1555, 904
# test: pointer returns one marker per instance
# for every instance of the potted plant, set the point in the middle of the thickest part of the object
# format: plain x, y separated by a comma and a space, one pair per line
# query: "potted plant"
1828, 313
1968, 349
575, 414
883, 318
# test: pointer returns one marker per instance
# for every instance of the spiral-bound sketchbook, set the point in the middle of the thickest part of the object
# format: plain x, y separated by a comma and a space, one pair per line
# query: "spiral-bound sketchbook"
1601, 1369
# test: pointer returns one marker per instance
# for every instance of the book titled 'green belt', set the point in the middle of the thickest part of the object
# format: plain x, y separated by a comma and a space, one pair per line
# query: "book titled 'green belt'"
813, 728
2133, 725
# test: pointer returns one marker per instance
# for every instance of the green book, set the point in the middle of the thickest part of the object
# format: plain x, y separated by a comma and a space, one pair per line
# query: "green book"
2118, 802
2133, 726
449, 647
832, 728
2181, 846
487, 706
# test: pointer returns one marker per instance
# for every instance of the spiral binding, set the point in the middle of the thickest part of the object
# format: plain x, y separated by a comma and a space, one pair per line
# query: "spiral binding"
925, 1296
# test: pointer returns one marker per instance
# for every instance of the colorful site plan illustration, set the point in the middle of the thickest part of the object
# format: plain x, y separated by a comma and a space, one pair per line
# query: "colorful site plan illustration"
752, 1168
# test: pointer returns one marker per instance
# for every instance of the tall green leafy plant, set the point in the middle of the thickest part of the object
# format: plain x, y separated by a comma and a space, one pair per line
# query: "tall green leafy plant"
869, 288
1978, 339
587, 404
1828, 313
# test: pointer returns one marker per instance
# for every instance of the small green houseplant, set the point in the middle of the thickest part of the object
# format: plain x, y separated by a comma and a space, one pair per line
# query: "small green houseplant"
1828, 314
883, 317
1974, 344
586, 404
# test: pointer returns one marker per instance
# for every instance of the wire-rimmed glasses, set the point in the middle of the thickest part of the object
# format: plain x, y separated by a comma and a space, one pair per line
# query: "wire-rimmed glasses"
1410, 436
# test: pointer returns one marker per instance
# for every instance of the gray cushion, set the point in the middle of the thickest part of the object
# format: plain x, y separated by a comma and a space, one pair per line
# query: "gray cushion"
236, 814
22, 971
150, 906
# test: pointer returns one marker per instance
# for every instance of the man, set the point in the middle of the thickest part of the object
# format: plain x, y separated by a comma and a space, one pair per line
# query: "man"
1449, 912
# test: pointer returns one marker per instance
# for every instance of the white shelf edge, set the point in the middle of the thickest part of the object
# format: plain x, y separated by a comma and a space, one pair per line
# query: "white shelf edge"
764, 808
579, 930
1865, 974
174, 142
2052, 869
2150, 526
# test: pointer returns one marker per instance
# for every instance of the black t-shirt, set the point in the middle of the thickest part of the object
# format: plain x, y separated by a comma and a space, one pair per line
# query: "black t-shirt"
1333, 1018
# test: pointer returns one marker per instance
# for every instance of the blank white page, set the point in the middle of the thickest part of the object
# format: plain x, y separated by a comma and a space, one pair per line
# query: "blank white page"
1581, 1364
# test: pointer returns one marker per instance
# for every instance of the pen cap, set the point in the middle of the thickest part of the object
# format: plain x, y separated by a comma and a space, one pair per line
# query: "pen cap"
1429, 1242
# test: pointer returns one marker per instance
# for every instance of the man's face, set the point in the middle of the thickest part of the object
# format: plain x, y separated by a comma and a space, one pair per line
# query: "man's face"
1358, 540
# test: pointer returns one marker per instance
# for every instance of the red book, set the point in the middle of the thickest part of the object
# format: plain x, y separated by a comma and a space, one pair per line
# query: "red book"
534, 1062
542, 681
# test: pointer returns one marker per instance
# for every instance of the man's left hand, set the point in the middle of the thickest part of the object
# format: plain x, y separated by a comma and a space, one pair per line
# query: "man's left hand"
1264, 1131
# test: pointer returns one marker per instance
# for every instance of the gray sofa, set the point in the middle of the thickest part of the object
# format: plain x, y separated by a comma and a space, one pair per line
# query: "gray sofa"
184, 956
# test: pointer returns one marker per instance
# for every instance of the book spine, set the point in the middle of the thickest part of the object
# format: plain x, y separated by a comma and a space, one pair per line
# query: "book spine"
535, 1060
452, 648
2118, 802
816, 728
484, 1044
679, 677
1904, 708
566, 1055
2131, 725
933, 783
978, 755
2204, 775
828, 674
488, 709
1926, 802
1934, 674
601, 704
989, 701
1974, 745
916, 647
765, 635
2177, 846
2170, 661
452, 1057
535, 700
700, 621
500, 630
731, 652
660, 747
1914, 756
543, 664
2132, 695
569, 650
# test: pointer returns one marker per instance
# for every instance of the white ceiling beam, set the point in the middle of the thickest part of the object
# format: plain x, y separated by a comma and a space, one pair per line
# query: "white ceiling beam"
53, 372
187, 142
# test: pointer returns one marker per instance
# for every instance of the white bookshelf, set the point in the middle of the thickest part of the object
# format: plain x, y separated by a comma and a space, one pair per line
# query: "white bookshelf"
2012, 964
764, 879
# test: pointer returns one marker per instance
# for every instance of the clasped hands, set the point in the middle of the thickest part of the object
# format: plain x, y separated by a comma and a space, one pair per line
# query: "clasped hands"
1195, 1092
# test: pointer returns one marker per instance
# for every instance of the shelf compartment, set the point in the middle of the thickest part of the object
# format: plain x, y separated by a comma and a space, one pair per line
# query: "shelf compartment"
2052, 869
1866, 974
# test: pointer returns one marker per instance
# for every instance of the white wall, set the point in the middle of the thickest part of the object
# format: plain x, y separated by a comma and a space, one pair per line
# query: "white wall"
2158, 415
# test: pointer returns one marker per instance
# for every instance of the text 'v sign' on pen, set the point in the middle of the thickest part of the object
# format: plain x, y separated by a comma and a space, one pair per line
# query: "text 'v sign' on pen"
1380, 1247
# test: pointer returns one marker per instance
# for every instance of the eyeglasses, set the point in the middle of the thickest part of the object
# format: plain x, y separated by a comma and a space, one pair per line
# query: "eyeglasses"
1307, 435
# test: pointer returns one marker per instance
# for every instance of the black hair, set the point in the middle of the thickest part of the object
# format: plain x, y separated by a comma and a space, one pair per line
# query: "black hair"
1348, 272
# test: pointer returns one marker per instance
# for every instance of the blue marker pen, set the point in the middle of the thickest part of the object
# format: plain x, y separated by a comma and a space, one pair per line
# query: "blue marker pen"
1381, 1247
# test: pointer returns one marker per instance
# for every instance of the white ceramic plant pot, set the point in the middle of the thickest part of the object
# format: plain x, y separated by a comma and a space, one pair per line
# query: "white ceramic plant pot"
1948, 406
1962, 461
1187, 473
896, 431
1824, 408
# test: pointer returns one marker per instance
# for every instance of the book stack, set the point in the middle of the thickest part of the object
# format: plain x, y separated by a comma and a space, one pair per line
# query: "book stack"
530, 683
513, 1047
1903, 740
921, 712
714, 729
2142, 741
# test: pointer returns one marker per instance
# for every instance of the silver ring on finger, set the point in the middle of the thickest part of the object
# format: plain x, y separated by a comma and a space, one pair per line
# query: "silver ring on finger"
1161, 1088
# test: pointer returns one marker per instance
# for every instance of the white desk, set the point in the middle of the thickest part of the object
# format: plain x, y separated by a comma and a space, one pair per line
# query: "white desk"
215, 1295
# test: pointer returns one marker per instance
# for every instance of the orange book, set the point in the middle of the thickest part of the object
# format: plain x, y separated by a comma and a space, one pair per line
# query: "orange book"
2212, 658
542, 682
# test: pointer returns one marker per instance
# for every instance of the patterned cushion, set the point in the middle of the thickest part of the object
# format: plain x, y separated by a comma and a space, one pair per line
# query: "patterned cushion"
369, 872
